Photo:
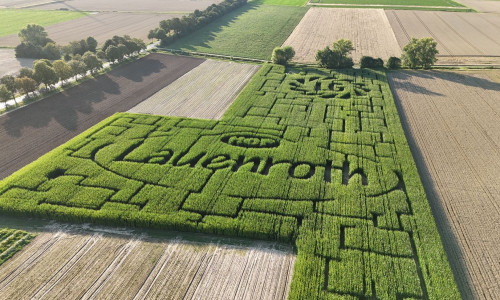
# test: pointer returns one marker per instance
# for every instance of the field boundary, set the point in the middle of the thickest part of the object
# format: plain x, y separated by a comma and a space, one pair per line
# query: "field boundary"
204, 54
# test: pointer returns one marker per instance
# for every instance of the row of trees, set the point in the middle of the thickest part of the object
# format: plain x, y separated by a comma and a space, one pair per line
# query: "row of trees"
47, 73
172, 29
417, 54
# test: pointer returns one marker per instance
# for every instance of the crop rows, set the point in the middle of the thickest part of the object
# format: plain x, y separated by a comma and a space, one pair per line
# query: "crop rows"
313, 157
11, 241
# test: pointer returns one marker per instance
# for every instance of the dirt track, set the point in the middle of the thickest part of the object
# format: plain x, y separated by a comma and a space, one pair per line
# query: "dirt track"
320, 27
453, 124
31, 131
457, 34
10, 65
69, 265
101, 26
205, 92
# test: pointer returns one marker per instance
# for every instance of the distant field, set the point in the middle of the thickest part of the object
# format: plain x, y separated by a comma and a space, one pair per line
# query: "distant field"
13, 20
393, 2
285, 2
251, 31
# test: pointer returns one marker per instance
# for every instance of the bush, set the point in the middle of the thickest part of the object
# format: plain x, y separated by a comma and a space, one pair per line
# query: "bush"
282, 56
370, 62
336, 58
420, 53
393, 63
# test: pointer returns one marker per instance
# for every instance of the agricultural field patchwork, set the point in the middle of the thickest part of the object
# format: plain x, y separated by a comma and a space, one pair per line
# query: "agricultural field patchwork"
252, 31
11, 241
331, 24
312, 157
13, 20
204, 92
64, 263
448, 3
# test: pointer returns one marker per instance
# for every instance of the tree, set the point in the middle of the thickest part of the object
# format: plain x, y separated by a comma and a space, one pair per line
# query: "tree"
35, 35
370, 62
112, 53
91, 44
282, 55
63, 70
393, 63
25, 72
44, 73
51, 51
4, 94
77, 67
27, 85
10, 84
336, 58
420, 53
91, 61
122, 51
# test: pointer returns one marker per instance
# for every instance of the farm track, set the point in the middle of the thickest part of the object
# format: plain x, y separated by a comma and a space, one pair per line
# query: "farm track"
332, 24
452, 121
461, 37
10, 65
32, 131
101, 26
99, 266
205, 92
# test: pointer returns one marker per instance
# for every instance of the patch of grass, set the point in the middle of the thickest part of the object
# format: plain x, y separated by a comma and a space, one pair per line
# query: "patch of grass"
252, 31
312, 157
12, 241
426, 8
450, 3
13, 20
284, 2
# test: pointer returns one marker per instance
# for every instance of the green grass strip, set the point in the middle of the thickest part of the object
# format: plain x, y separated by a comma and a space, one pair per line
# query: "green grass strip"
252, 31
13, 20
393, 2
12, 241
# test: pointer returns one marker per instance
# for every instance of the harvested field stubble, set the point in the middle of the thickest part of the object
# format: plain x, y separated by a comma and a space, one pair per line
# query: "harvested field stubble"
204, 92
88, 266
11, 241
457, 34
32, 131
453, 120
101, 26
312, 157
320, 27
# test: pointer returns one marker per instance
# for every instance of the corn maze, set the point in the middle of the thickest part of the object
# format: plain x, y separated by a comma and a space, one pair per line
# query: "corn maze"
11, 241
313, 157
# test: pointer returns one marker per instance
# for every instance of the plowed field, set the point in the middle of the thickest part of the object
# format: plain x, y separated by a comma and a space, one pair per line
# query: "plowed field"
66, 265
322, 26
30, 132
205, 92
452, 121
101, 26
459, 35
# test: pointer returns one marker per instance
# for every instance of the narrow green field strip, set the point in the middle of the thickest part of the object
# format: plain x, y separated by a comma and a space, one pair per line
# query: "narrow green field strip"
312, 157
11, 241
425, 8
448, 3
252, 31
13, 20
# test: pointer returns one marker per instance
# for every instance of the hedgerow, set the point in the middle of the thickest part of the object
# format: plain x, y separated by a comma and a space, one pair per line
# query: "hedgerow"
313, 157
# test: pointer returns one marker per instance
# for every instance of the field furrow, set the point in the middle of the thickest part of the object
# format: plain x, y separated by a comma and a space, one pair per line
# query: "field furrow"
205, 92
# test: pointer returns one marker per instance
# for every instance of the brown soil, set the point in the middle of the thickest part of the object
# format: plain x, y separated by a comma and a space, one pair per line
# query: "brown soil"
452, 121
29, 132
112, 5
82, 265
320, 27
101, 26
205, 92
457, 34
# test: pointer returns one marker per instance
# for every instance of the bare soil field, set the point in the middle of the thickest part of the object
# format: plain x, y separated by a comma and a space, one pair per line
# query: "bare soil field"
101, 26
10, 65
68, 265
205, 92
486, 6
320, 27
458, 34
115, 5
29, 132
452, 121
